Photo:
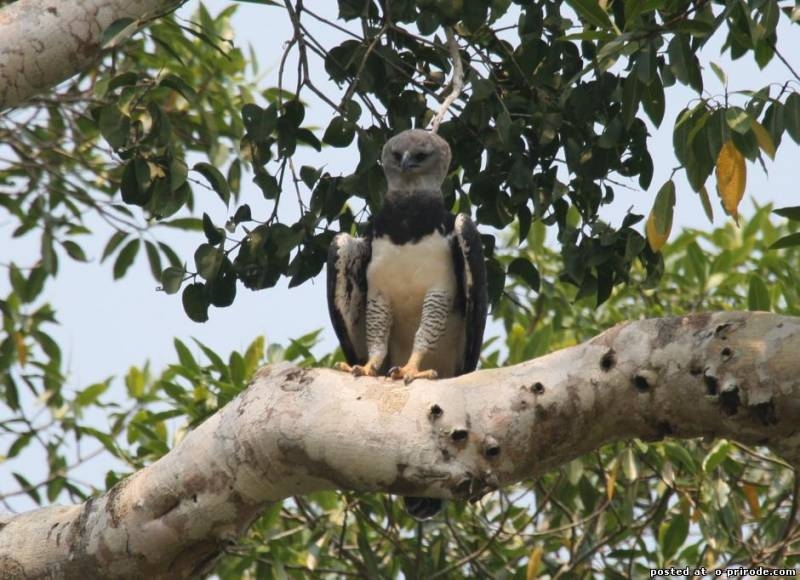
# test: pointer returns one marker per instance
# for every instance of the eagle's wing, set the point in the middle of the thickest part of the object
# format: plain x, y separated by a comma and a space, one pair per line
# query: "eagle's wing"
472, 289
348, 258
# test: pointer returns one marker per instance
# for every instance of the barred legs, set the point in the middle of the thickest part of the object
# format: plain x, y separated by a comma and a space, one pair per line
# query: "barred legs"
379, 323
435, 311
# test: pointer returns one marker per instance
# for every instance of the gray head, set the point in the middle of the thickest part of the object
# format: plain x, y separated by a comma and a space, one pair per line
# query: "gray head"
415, 160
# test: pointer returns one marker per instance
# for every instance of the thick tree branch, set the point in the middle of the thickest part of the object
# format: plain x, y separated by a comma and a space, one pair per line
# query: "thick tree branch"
293, 431
43, 42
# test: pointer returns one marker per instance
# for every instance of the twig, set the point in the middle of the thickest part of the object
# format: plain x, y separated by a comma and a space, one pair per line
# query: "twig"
785, 62
352, 88
457, 81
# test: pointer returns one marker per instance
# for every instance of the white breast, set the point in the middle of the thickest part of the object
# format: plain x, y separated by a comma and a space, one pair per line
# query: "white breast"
403, 274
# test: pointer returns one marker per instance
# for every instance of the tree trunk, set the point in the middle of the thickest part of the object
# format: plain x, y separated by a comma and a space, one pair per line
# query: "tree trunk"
44, 42
293, 431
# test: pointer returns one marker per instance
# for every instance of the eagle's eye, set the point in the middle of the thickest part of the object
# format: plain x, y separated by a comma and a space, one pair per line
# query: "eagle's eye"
397, 156
421, 156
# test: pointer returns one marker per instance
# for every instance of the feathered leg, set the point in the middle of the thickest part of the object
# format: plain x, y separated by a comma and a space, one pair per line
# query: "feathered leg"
432, 326
379, 323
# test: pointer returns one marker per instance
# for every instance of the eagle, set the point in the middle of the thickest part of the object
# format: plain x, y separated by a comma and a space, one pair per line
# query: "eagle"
409, 299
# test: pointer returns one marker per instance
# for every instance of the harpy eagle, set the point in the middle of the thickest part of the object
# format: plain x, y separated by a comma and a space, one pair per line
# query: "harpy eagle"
410, 298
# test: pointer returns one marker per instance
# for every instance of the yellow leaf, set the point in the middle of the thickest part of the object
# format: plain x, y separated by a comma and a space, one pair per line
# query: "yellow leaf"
534, 561
731, 178
22, 348
763, 138
611, 480
659, 222
751, 495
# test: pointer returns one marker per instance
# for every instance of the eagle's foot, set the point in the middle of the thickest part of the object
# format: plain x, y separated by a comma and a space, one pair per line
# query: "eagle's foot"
410, 372
367, 370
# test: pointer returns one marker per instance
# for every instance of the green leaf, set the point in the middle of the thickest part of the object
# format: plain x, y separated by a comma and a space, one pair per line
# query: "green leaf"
791, 213
125, 258
631, 96
213, 234
653, 101
260, 123
187, 223
172, 278
791, 116
738, 119
195, 302
243, 214
268, 184
683, 63
49, 257
719, 452
216, 179
222, 288
758, 294
659, 223
482, 89
309, 175
306, 136
680, 55
125, 79
706, 201
35, 284
340, 132
523, 269
74, 250
18, 282
208, 260
153, 259
118, 32
90, 394
28, 488
19, 444
177, 84
673, 534
135, 184
723, 78
114, 126
591, 13
185, 356
786, 242
294, 112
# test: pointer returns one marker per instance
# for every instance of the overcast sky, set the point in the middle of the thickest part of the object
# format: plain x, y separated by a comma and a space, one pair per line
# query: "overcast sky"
107, 326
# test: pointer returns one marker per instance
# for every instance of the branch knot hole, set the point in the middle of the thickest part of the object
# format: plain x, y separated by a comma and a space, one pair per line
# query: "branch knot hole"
712, 385
537, 388
491, 448
459, 435
729, 398
608, 360
644, 381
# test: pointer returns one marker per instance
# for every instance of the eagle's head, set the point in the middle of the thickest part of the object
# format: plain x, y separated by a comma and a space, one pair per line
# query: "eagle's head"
415, 160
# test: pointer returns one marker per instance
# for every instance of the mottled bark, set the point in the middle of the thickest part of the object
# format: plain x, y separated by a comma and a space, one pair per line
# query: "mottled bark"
293, 431
43, 42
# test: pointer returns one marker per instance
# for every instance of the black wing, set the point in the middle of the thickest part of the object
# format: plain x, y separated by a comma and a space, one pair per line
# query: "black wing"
473, 298
348, 258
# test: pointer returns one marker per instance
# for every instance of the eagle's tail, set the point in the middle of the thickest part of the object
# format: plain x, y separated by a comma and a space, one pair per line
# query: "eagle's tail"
422, 508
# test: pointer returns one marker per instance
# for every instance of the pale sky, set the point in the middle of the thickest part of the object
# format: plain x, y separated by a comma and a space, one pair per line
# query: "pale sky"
107, 327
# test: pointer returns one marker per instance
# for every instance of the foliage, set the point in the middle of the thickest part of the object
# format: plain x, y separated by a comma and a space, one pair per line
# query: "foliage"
558, 101
618, 512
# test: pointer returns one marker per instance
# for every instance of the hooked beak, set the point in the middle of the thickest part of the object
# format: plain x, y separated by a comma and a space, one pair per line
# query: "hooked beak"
406, 162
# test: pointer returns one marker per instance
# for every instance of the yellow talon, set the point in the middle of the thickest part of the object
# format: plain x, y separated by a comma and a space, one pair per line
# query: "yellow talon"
358, 370
410, 371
